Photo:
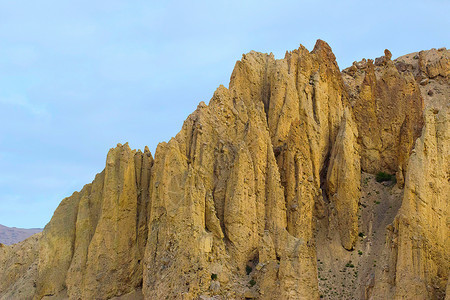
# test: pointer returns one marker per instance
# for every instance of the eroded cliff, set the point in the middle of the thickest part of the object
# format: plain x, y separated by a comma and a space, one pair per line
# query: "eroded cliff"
264, 194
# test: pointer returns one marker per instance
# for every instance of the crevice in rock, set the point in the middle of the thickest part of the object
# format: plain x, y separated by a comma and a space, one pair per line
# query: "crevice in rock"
266, 90
314, 99
324, 171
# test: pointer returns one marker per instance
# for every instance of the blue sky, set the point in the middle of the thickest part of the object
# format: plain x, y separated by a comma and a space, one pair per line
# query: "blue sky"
78, 77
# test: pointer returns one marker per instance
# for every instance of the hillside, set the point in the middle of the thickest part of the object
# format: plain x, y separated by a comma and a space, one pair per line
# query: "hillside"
12, 235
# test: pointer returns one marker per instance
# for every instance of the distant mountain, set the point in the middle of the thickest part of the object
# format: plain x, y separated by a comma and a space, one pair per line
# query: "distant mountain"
12, 235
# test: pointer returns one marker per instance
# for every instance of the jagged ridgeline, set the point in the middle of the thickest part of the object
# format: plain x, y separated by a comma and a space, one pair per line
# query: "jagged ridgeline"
268, 192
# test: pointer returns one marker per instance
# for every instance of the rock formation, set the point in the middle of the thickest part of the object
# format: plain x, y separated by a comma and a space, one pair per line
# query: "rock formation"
417, 240
418, 237
18, 268
344, 182
388, 110
94, 243
259, 184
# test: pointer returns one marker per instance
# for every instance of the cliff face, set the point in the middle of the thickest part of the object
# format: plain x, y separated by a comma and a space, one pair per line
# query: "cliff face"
94, 243
256, 186
18, 268
417, 241
418, 237
388, 109
343, 181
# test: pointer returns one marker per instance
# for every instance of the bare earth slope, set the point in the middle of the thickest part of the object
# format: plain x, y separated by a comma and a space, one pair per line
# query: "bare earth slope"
267, 192
12, 235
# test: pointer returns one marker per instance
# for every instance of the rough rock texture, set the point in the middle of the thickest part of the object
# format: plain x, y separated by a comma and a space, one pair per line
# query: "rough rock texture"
18, 269
417, 241
388, 111
94, 244
256, 186
431, 69
12, 235
343, 181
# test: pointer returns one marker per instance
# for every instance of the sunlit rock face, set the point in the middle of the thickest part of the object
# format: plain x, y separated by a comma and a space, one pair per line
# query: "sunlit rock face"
263, 194
388, 108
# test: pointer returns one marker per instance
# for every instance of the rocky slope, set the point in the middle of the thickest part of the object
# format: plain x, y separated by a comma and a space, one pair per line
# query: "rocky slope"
267, 192
12, 235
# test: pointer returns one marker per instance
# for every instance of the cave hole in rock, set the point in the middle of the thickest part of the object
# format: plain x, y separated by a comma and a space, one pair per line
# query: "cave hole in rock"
252, 263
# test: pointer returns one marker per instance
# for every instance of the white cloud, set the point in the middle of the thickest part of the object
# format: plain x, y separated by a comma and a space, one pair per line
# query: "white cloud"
24, 103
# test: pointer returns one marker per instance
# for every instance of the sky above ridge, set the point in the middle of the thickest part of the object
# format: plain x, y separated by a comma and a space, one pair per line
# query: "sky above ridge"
78, 77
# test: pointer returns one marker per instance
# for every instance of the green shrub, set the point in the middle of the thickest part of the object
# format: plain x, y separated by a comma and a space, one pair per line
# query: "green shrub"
248, 269
214, 276
252, 282
382, 176
350, 265
366, 180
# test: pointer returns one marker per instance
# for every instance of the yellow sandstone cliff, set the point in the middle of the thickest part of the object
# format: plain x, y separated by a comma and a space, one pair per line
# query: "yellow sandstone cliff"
267, 192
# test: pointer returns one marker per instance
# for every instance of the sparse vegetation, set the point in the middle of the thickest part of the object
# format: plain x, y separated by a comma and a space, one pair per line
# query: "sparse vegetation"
252, 282
366, 180
382, 176
360, 252
248, 269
